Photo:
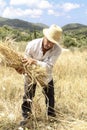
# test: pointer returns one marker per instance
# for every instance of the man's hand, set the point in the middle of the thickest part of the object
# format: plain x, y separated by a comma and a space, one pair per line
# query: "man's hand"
26, 62
29, 61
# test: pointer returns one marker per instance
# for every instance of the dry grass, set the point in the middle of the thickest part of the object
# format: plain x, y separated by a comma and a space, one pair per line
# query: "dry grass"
70, 76
72, 82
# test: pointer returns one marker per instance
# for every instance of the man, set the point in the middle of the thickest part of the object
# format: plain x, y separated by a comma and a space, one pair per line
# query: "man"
44, 52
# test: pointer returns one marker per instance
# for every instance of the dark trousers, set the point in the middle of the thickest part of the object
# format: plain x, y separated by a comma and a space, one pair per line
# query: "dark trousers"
48, 91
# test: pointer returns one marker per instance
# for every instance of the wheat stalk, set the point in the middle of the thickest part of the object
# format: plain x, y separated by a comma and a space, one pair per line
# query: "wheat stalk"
14, 60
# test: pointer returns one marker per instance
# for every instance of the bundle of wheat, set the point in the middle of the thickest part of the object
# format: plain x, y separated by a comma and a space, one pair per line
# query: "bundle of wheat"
14, 60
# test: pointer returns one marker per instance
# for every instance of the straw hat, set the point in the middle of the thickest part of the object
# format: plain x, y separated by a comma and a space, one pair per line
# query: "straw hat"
53, 33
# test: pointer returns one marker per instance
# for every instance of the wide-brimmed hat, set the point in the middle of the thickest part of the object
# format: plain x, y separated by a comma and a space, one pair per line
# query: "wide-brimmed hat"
53, 33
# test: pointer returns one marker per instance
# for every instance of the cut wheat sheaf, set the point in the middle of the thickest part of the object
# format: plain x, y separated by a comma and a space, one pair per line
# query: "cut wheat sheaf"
13, 59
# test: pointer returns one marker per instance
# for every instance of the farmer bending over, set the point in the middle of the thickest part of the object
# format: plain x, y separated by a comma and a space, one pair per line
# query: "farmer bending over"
44, 52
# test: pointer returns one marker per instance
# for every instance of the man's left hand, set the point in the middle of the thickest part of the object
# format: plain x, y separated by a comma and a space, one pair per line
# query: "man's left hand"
29, 61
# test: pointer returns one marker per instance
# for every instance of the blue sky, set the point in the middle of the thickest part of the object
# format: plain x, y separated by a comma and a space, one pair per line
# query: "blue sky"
60, 12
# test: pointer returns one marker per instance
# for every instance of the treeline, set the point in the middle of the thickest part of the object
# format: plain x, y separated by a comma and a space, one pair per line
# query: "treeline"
75, 38
71, 38
18, 34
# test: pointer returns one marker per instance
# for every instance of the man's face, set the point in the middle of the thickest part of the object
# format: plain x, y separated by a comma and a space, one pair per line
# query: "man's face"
47, 44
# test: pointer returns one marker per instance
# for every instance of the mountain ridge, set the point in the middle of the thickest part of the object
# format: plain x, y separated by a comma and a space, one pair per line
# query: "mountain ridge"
21, 24
73, 26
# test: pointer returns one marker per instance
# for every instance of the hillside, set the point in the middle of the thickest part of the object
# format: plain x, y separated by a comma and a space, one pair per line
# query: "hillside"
21, 24
75, 35
73, 26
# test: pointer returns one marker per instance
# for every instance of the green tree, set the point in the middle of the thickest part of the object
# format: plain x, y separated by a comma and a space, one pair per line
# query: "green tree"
69, 42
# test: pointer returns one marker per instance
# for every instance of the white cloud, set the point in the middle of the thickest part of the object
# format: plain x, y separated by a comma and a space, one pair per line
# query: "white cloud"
2, 4
32, 3
11, 12
24, 2
68, 16
25, 9
44, 4
69, 6
34, 13
52, 12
